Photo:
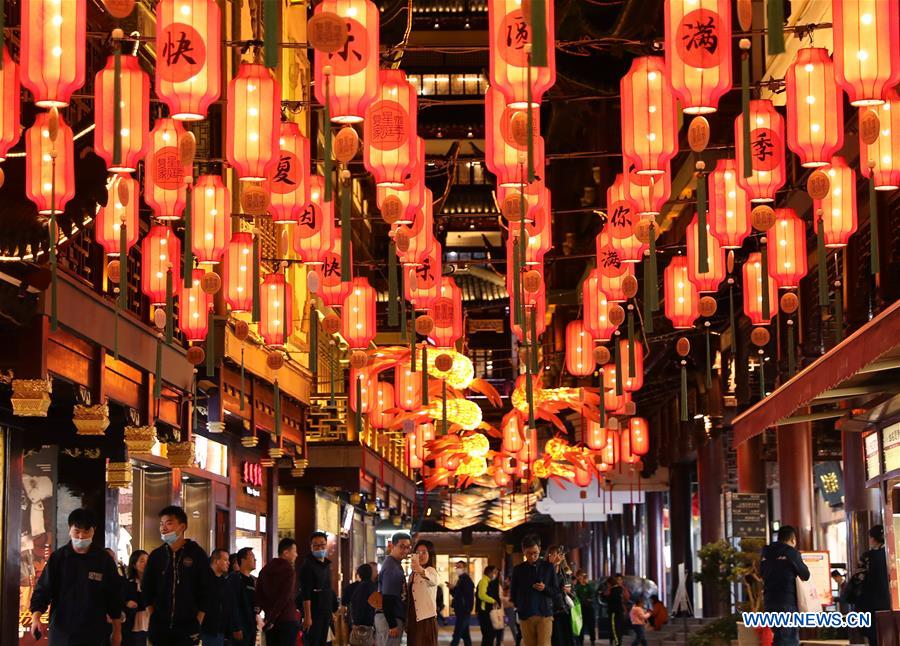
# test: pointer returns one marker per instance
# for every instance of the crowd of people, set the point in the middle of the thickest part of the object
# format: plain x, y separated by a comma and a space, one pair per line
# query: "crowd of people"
178, 595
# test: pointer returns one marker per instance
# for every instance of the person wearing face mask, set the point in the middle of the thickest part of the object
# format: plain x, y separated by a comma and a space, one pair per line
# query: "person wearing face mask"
463, 593
316, 593
488, 596
177, 583
81, 586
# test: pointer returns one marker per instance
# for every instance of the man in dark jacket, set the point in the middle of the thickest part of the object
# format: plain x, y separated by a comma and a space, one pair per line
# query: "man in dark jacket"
532, 590
616, 607
276, 591
876, 592
316, 592
219, 619
389, 623
463, 594
242, 586
176, 583
780, 566
82, 587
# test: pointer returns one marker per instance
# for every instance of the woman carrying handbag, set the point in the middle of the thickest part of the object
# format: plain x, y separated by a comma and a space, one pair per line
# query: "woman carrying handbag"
421, 614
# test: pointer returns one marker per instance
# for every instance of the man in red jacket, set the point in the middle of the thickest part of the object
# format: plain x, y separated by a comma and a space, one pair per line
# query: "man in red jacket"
276, 592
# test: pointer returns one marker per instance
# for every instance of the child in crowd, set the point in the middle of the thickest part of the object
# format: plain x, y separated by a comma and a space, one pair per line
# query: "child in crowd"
639, 618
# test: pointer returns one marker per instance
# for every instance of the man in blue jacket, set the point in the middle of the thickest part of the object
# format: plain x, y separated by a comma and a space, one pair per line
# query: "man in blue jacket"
463, 594
532, 589
780, 566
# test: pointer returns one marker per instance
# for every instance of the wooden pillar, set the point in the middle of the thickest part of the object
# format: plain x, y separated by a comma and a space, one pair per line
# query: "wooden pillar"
795, 479
711, 477
613, 524
856, 497
750, 471
680, 523
656, 565
628, 538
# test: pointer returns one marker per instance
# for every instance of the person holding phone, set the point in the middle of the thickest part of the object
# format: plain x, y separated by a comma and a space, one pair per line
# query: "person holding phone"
533, 588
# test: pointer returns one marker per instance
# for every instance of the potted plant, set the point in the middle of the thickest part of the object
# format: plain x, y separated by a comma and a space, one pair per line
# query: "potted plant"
747, 570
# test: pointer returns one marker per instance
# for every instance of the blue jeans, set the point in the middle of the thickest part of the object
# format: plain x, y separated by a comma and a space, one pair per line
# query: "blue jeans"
461, 631
640, 637
212, 640
785, 636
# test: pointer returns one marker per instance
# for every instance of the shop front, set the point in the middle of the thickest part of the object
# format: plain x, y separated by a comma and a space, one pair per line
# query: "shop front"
251, 521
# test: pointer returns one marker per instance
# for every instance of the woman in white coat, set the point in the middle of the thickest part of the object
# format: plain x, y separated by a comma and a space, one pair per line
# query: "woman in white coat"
421, 612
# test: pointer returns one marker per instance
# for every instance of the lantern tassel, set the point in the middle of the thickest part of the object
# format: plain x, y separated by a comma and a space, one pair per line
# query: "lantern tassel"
242, 377
272, 31
731, 319
170, 306
346, 227
277, 397
331, 362
702, 242
764, 271
313, 339
708, 358
117, 102
404, 329
157, 373
412, 341
424, 374
255, 313
211, 343
357, 417
747, 161
653, 292
617, 354
762, 377
775, 27
791, 359
602, 401
875, 255
529, 394
632, 359
122, 299
822, 262
684, 393
326, 127
188, 269
838, 311
393, 310
538, 34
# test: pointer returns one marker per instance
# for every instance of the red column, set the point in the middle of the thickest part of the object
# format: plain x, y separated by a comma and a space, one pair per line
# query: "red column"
711, 477
794, 442
656, 565
750, 471
856, 497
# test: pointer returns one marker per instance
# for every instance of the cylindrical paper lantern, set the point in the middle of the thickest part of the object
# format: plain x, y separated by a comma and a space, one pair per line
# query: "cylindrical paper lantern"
314, 234
866, 48
649, 192
579, 350
275, 309
389, 130
447, 313
407, 387
107, 224
640, 435
815, 107
254, 114
594, 435
288, 181
193, 308
787, 249
884, 153
134, 131
211, 213
622, 214
237, 272
160, 251
766, 151
54, 40
510, 32
358, 316
164, 187
383, 401
753, 296
709, 280
681, 296
729, 206
39, 170
596, 308
839, 206
10, 104
649, 124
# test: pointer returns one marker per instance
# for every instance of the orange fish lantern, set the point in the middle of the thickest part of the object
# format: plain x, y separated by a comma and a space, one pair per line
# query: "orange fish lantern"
753, 294
815, 108
54, 40
649, 123
511, 33
134, 111
767, 173
390, 130
681, 295
253, 118
866, 48
288, 176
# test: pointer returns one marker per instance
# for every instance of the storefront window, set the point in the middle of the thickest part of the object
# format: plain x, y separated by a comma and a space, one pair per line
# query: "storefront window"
39, 538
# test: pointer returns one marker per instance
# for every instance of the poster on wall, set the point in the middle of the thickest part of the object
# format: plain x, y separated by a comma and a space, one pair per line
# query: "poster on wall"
819, 564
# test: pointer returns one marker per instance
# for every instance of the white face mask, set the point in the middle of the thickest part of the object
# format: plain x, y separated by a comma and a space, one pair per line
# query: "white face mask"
460, 571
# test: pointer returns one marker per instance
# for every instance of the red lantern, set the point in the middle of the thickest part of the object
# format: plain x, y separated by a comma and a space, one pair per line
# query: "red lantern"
407, 387
614, 286
640, 435
583, 475
538, 233
866, 48
288, 181
682, 298
415, 242
411, 195
164, 175
510, 40
506, 140
135, 114
10, 90
237, 272
884, 153
333, 290
649, 120
815, 107
383, 401
275, 308
188, 56
629, 383
512, 441
107, 224
729, 206
254, 115
366, 390
753, 298
625, 451
211, 226
594, 434
535, 304
528, 454
424, 434
390, 130
649, 192
193, 308
160, 251
353, 82
579, 350
411, 447
358, 320
53, 45
709, 280
698, 52
314, 234
596, 308
39, 169
839, 206
501, 478
766, 151
447, 313
787, 249
621, 216
423, 281
615, 404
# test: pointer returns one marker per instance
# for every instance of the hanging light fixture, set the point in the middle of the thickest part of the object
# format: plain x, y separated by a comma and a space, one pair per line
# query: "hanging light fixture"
160, 251
729, 206
254, 114
416, 241
275, 307
134, 128
390, 130
698, 52
884, 153
407, 387
649, 121
681, 295
709, 280
594, 434
579, 350
288, 182
363, 403
54, 40
447, 314
636, 382
10, 105
237, 272
313, 236
866, 48
353, 80
108, 223
838, 207
753, 295
358, 315
164, 188
596, 308
614, 285
188, 56
39, 166
511, 38
193, 308
382, 402
815, 107
766, 154
334, 288
506, 140
423, 280
425, 433
399, 205
787, 249
639, 432
621, 216
210, 210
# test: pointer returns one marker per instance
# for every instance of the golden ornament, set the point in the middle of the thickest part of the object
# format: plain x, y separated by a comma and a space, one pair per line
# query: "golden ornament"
114, 271
616, 314
327, 32
187, 150
331, 324
644, 228
760, 336
391, 209
789, 303
241, 330
195, 355
275, 361
698, 134
762, 217
512, 206
707, 306
254, 198
443, 362
818, 184
210, 283
359, 359
424, 325
346, 144
531, 281
869, 126
683, 347
630, 286
601, 355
